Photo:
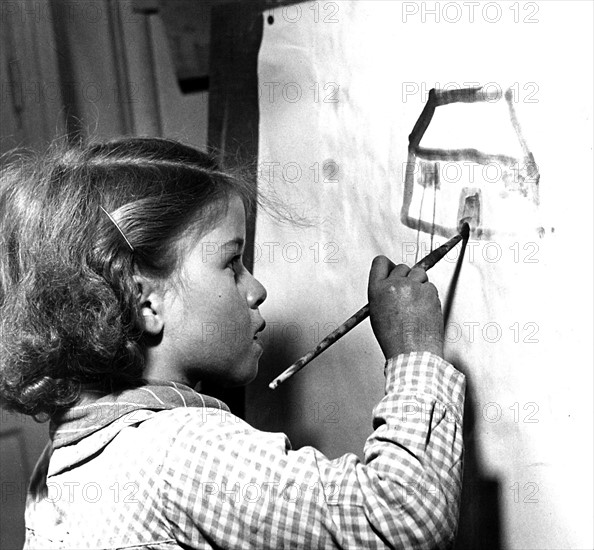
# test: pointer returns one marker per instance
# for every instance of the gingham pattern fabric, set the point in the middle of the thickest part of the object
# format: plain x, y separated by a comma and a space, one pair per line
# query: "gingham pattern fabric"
198, 477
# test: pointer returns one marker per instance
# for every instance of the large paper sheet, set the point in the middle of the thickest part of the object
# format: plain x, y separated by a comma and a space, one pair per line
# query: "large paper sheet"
342, 86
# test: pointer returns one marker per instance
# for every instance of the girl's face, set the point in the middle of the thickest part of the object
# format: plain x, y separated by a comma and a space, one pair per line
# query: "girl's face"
211, 316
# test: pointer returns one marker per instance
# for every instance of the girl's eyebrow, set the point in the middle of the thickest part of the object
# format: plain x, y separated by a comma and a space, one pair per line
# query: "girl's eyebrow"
233, 245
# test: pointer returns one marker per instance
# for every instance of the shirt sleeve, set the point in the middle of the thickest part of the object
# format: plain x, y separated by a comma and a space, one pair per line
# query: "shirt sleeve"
228, 485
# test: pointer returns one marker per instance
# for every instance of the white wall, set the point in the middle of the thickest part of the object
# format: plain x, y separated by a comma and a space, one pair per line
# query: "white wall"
529, 420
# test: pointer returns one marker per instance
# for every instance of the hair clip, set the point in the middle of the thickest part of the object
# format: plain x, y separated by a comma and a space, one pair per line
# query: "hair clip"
117, 227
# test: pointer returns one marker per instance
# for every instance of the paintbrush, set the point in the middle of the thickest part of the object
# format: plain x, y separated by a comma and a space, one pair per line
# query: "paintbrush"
426, 263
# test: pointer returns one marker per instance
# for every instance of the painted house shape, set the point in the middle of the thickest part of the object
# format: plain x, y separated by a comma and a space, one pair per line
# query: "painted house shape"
468, 160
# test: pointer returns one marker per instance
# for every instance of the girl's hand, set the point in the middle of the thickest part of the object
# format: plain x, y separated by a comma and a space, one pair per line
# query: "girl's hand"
405, 310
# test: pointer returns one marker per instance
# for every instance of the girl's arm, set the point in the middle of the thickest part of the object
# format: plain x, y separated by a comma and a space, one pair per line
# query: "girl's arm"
238, 487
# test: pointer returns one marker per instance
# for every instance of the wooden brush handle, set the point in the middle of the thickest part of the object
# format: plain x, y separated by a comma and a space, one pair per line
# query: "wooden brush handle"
426, 263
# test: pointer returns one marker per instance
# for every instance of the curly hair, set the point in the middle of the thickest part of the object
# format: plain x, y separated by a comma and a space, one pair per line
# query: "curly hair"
69, 312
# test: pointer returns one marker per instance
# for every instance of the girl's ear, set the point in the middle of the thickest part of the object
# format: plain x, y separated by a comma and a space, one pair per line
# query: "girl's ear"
150, 298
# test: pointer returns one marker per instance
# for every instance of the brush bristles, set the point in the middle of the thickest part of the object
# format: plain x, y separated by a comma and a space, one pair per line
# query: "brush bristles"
465, 230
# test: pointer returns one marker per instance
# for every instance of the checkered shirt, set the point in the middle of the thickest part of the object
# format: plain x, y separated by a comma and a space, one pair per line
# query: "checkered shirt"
169, 471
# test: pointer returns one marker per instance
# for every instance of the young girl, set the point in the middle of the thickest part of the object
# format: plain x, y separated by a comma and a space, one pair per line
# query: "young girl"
116, 262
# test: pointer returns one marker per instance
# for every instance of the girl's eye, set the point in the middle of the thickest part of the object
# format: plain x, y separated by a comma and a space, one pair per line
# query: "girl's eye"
235, 264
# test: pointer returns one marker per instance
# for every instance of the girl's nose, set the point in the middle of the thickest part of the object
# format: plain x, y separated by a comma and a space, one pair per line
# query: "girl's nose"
256, 292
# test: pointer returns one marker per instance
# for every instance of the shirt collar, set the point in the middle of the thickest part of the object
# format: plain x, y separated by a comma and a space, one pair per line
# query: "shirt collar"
95, 409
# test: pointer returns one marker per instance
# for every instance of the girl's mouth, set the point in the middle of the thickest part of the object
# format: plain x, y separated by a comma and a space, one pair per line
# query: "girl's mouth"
260, 329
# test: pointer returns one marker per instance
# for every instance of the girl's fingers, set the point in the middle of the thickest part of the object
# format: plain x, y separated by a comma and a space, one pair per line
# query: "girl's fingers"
380, 269
418, 274
401, 270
